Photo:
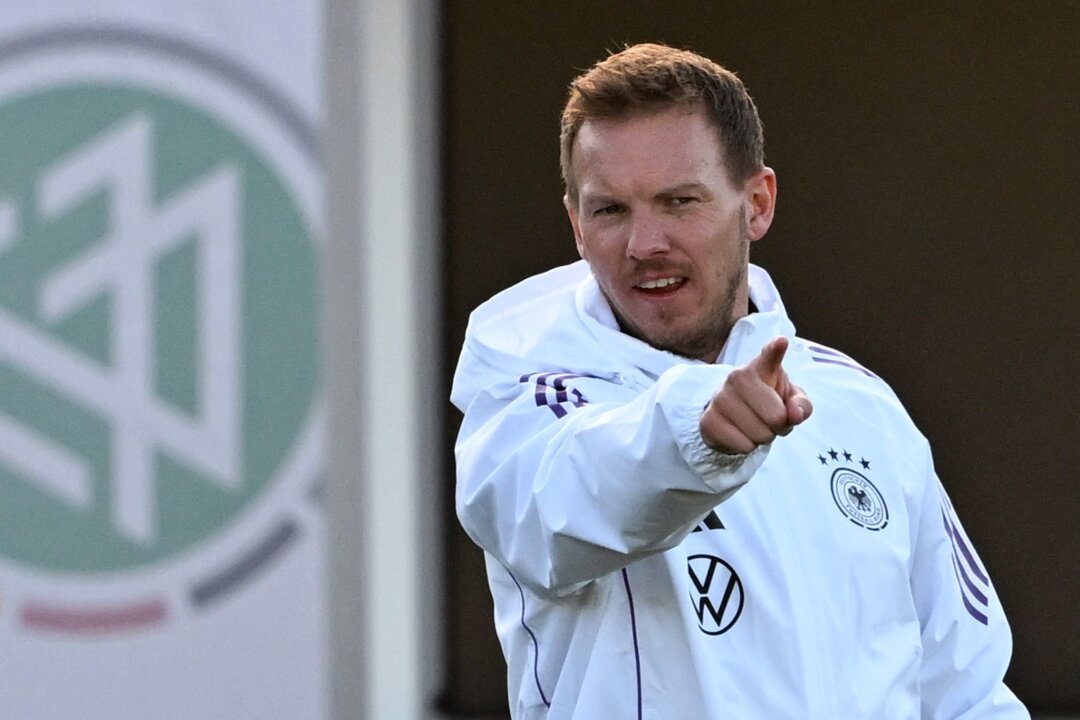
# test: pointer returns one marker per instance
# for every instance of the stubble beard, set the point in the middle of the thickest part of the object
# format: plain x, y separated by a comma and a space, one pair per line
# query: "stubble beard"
707, 338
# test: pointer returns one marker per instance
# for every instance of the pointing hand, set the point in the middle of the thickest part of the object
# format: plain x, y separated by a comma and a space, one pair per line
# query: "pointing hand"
756, 403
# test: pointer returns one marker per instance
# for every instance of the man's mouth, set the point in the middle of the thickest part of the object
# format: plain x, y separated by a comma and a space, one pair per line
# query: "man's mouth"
661, 284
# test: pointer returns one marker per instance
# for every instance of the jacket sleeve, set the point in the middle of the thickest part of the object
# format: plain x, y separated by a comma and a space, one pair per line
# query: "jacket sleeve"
965, 636
564, 492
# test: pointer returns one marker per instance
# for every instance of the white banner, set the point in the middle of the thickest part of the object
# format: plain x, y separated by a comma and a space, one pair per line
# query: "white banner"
161, 428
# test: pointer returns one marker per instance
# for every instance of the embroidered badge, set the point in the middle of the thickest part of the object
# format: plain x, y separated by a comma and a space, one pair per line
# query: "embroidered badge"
854, 494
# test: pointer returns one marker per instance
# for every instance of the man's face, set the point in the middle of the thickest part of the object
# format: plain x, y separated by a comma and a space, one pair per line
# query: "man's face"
663, 228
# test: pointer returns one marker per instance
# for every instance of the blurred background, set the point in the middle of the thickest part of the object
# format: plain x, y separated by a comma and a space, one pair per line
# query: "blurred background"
239, 243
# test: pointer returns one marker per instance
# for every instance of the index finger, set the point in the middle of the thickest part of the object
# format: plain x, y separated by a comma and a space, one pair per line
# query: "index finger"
767, 365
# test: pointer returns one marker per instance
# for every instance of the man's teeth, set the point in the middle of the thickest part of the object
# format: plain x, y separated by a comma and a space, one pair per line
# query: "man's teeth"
661, 283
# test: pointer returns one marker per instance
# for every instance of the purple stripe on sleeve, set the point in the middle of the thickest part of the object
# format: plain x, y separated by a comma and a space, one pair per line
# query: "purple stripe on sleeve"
962, 574
633, 630
958, 541
562, 394
560, 388
841, 363
972, 610
826, 351
540, 392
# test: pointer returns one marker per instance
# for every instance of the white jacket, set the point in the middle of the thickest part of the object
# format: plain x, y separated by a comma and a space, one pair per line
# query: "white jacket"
631, 580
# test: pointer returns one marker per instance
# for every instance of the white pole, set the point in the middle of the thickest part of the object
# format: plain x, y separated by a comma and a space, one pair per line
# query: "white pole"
382, 366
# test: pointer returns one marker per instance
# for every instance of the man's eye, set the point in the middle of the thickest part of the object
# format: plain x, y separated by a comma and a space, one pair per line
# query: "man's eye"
607, 210
682, 201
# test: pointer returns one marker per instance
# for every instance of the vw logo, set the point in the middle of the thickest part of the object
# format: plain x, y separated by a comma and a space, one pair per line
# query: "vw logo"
717, 594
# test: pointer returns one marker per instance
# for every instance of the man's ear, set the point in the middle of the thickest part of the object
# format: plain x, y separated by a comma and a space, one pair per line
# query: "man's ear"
571, 211
760, 194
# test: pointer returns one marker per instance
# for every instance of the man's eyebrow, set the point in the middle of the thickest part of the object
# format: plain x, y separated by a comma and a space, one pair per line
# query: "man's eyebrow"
682, 189
599, 197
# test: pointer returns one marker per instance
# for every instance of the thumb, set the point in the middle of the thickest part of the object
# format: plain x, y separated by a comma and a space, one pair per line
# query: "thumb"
798, 405
767, 365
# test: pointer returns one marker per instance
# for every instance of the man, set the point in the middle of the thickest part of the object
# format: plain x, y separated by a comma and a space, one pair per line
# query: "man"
686, 510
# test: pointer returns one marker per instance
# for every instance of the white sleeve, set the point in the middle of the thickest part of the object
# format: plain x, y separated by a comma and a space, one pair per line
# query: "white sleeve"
562, 495
965, 636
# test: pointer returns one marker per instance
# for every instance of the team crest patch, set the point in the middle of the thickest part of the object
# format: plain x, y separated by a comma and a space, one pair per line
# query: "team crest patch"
854, 494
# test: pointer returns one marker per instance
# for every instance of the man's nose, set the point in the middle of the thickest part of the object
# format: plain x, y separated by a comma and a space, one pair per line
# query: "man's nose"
647, 237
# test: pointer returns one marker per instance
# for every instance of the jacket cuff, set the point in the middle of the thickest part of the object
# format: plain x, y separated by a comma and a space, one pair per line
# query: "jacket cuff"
722, 473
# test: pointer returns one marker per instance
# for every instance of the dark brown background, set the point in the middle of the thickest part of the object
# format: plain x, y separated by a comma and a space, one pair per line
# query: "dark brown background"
929, 199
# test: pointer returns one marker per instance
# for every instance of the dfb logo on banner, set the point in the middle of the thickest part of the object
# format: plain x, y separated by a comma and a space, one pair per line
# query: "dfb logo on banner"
160, 430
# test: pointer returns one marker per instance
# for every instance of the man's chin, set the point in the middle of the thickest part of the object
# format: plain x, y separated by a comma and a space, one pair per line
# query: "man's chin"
694, 343
688, 347
689, 342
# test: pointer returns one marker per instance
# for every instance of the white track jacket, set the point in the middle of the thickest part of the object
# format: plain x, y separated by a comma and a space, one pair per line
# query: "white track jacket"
637, 573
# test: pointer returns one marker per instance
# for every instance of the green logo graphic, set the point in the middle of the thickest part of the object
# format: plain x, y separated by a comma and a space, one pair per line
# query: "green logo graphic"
158, 327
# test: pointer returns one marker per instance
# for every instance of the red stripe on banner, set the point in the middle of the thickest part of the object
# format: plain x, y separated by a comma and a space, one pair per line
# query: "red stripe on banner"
94, 619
